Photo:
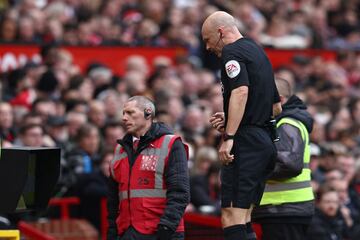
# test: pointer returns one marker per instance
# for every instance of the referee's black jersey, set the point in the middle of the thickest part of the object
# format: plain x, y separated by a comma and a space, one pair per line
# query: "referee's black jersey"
244, 63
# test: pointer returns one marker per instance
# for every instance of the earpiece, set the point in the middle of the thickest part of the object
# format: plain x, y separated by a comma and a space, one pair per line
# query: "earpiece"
147, 113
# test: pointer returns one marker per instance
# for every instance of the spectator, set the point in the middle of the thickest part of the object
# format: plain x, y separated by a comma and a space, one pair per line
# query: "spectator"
45, 108
299, 24
348, 205
57, 130
101, 79
26, 31
83, 158
111, 99
6, 122
112, 132
31, 135
328, 222
205, 157
91, 188
135, 83
8, 30
75, 120
194, 125
205, 190
33, 118
137, 63
97, 114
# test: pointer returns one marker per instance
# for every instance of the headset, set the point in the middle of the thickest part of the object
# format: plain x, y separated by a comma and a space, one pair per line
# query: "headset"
147, 113
220, 37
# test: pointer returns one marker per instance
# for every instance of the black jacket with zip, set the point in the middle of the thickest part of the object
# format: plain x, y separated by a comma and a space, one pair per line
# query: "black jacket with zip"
176, 178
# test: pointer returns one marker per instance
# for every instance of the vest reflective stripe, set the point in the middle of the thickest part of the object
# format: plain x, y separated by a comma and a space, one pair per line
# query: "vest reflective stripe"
291, 196
142, 193
122, 156
296, 189
286, 187
117, 157
161, 163
151, 193
123, 195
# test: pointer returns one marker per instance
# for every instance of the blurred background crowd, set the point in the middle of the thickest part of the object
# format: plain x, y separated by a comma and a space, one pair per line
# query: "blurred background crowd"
276, 23
53, 103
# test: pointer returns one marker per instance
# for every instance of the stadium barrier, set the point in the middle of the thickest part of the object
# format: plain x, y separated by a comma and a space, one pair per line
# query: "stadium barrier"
65, 228
31, 232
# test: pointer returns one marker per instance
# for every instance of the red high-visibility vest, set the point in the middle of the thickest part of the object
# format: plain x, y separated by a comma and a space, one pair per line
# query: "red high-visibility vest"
142, 191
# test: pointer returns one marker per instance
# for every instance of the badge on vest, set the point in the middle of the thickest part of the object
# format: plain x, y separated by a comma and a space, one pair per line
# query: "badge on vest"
148, 162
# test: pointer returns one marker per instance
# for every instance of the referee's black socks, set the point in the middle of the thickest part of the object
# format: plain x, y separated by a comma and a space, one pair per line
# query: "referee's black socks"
250, 232
235, 232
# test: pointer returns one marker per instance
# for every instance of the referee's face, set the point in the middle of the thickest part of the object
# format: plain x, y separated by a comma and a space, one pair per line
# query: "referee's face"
212, 41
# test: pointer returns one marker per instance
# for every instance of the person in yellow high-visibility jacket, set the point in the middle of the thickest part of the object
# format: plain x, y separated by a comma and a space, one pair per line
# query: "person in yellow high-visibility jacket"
287, 205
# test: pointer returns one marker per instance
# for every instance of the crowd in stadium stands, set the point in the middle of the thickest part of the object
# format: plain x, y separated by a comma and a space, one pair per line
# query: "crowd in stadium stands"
54, 104
276, 23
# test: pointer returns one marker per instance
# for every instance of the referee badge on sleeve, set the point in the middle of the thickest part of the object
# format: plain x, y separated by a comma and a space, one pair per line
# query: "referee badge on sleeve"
232, 68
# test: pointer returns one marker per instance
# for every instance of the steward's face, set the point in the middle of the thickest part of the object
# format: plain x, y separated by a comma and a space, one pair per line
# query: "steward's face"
133, 118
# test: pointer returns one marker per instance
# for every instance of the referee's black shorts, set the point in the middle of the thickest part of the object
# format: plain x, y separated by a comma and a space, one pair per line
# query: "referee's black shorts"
243, 180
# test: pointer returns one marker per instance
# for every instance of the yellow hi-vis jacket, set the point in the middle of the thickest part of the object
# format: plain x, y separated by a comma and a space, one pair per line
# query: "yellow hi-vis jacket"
295, 189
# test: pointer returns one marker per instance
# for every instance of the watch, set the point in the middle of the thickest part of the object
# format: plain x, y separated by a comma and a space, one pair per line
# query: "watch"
228, 137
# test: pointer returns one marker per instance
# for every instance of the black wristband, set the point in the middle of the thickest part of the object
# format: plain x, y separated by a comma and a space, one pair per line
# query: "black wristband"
228, 137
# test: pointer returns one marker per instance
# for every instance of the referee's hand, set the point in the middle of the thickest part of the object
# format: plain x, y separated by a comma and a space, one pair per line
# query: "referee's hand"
224, 152
217, 121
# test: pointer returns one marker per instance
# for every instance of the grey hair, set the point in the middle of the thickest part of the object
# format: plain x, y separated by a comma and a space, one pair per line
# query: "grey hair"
144, 103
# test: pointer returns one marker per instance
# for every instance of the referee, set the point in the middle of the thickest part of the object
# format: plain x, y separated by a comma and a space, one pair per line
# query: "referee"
250, 98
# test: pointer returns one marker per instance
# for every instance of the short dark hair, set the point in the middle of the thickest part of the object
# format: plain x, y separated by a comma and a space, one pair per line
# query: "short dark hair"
325, 188
84, 131
23, 129
283, 87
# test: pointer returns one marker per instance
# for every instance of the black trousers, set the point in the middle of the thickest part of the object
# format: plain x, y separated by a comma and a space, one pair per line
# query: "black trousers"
284, 231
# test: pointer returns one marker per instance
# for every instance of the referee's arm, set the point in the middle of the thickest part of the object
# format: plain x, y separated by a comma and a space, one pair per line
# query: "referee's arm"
237, 103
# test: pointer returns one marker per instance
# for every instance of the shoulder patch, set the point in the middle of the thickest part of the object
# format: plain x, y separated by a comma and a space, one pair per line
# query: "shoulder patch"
232, 68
